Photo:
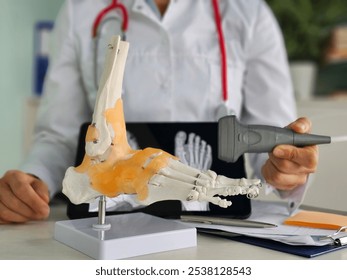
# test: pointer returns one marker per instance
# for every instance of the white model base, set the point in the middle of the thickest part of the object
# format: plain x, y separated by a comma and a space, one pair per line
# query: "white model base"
130, 235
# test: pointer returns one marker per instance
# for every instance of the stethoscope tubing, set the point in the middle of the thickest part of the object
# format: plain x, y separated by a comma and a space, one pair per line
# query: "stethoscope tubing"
113, 6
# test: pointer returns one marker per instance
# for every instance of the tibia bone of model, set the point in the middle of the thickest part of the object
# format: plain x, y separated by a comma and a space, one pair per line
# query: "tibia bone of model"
111, 167
101, 133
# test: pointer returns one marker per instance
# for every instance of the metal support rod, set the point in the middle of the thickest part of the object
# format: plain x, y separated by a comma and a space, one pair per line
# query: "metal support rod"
102, 225
102, 210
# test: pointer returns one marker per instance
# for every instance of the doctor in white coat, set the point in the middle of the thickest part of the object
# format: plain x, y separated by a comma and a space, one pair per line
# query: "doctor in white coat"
173, 73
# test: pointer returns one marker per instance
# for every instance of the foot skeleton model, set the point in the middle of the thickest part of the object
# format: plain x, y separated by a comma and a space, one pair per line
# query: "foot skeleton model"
111, 167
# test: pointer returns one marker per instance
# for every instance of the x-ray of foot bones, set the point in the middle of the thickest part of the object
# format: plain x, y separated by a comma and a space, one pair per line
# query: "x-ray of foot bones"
191, 150
111, 167
195, 153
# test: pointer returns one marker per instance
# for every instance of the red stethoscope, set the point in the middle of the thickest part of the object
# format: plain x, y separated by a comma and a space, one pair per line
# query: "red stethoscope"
116, 5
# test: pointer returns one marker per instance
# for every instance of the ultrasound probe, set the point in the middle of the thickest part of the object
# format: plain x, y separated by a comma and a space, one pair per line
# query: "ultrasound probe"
235, 139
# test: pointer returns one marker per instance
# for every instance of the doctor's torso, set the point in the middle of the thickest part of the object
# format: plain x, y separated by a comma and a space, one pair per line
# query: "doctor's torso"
173, 66
172, 73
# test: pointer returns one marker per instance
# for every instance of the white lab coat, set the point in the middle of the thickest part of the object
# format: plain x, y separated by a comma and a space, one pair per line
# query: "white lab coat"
172, 72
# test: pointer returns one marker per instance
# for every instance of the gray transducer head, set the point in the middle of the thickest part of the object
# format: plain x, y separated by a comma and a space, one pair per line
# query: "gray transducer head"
235, 139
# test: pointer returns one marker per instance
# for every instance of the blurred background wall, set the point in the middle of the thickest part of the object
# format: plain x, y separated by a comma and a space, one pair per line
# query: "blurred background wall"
17, 21
315, 34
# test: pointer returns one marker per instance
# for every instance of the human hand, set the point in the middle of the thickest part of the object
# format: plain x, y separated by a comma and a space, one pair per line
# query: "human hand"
23, 197
288, 166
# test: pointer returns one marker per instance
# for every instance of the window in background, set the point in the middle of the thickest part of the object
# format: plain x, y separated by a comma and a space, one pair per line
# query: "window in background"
306, 25
42, 35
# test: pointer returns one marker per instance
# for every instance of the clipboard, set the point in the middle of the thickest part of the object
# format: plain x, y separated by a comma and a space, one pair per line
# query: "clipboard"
339, 238
303, 251
338, 242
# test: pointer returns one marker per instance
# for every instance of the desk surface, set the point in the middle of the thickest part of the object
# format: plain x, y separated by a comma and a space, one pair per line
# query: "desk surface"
35, 241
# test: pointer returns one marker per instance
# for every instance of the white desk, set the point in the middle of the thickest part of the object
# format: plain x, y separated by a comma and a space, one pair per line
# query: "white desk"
35, 241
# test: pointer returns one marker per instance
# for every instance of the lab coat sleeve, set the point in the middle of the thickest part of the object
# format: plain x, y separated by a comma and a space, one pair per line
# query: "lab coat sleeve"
62, 110
268, 92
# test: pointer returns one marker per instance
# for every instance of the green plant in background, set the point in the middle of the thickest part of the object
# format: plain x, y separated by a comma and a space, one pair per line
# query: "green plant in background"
306, 24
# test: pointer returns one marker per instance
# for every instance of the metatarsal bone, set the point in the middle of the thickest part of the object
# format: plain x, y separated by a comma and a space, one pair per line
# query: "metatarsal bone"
182, 182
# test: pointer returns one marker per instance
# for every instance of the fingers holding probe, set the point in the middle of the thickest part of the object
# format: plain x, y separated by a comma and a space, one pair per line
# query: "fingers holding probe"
288, 166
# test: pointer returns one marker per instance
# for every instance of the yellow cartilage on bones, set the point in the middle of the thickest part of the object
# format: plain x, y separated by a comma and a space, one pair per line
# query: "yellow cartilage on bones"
124, 170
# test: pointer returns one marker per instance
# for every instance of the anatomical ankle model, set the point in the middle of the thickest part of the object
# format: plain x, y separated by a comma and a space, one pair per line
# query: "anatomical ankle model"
111, 167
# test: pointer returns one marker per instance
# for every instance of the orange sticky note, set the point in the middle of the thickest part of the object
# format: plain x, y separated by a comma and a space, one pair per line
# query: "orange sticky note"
317, 220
